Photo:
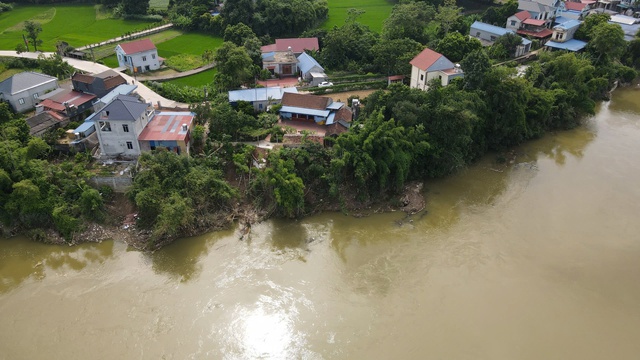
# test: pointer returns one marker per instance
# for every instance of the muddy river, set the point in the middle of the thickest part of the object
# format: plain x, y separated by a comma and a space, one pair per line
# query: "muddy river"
536, 260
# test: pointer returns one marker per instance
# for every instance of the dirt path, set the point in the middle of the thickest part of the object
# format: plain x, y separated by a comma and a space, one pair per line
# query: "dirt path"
343, 96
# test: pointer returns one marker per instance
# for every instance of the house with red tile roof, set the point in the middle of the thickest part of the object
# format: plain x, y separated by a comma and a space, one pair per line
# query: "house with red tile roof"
514, 22
297, 45
138, 56
69, 103
429, 65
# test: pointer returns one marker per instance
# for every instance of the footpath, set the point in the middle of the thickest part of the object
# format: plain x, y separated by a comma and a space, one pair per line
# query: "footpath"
128, 37
94, 68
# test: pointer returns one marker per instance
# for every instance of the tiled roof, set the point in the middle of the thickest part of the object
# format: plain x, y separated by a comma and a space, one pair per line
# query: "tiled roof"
522, 15
24, 80
137, 46
305, 101
429, 60
577, 6
83, 78
536, 34
534, 22
43, 121
71, 97
297, 45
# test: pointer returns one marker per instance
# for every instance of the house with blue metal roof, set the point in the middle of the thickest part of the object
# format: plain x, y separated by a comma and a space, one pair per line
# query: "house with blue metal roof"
310, 69
260, 98
562, 38
488, 34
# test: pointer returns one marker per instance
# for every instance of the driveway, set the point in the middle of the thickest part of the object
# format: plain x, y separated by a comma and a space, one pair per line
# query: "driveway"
94, 68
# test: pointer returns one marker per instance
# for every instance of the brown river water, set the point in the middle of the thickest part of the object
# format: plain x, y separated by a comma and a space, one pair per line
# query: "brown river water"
538, 261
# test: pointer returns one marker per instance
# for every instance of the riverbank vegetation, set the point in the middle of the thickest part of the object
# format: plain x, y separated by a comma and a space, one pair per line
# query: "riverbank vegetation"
402, 135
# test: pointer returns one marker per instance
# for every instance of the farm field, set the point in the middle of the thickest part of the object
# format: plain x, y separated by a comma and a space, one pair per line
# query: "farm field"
189, 43
376, 11
159, 4
196, 80
76, 24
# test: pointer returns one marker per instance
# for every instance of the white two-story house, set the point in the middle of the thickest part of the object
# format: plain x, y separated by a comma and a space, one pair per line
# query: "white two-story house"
429, 65
119, 124
139, 56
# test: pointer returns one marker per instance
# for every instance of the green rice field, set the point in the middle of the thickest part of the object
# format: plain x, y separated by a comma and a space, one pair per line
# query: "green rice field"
76, 24
196, 80
159, 4
189, 43
376, 11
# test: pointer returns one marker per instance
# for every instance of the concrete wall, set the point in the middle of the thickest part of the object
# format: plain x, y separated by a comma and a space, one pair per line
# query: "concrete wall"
28, 96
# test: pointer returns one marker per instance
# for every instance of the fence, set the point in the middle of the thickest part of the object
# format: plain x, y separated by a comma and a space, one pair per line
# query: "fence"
119, 184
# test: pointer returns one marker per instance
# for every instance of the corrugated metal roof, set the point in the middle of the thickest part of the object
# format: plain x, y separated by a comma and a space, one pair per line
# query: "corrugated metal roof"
306, 62
570, 45
304, 111
568, 25
23, 81
123, 89
259, 94
491, 28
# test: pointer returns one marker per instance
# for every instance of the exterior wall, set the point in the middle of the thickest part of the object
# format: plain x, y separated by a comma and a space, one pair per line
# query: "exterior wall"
562, 35
307, 75
277, 68
119, 184
150, 57
176, 146
96, 88
513, 23
484, 35
28, 96
522, 50
114, 142
419, 78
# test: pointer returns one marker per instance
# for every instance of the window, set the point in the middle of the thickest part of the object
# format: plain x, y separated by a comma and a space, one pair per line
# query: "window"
129, 145
35, 96
147, 68
153, 56
493, 38
421, 77
125, 127
513, 23
21, 101
144, 58
105, 125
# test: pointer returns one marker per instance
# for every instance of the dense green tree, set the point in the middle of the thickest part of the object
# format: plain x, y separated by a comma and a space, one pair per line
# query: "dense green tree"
234, 65
497, 15
448, 15
510, 42
135, 7
408, 20
591, 21
393, 56
286, 188
607, 42
238, 33
455, 46
348, 46
33, 30
475, 66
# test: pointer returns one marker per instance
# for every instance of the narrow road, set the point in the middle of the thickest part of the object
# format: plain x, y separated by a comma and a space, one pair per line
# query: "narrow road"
94, 68
129, 37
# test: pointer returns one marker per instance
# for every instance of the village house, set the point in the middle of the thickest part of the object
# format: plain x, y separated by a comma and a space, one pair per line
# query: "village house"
99, 84
138, 56
310, 70
260, 98
169, 130
68, 103
40, 123
573, 10
297, 45
429, 65
119, 124
562, 38
280, 63
312, 113
23, 90
488, 34
630, 25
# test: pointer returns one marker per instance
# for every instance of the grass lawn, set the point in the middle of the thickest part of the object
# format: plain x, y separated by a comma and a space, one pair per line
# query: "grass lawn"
189, 43
111, 61
76, 24
159, 4
376, 11
196, 80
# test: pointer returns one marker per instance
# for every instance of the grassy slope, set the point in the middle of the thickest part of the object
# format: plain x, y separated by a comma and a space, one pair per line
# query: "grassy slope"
376, 11
75, 24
